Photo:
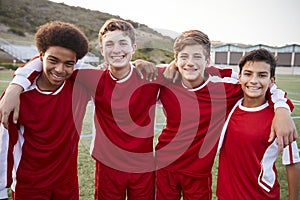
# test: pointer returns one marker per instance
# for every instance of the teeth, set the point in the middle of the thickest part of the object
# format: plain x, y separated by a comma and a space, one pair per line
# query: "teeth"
118, 57
58, 78
252, 87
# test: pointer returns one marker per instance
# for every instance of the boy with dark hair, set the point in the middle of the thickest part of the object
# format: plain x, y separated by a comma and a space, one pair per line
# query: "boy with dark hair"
247, 159
39, 153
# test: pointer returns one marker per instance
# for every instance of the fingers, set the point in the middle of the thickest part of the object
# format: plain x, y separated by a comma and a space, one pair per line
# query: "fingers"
140, 74
153, 72
16, 115
176, 77
150, 69
4, 119
149, 72
167, 74
280, 144
272, 135
171, 74
295, 135
4, 116
286, 141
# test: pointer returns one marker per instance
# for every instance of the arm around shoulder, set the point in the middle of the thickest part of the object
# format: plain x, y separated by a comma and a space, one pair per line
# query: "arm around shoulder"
283, 125
10, 102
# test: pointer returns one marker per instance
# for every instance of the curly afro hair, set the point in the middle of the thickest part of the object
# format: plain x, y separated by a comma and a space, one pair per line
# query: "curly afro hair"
57, 33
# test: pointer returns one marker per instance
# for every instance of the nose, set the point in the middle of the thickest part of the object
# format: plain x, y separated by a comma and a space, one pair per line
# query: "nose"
189, 62
59, 68
116, 48
253, 79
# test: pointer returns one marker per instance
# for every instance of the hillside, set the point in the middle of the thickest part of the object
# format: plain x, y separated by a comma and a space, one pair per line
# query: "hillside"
19, 20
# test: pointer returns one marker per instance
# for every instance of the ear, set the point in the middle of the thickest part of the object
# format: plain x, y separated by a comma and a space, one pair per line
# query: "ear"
41, 56
273, 80
175, 57
239, 77
101, 49
134, 46
207, 62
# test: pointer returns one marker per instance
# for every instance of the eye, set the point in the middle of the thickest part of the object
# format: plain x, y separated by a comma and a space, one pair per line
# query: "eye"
246, 74
109, 44
52, 60
183, 57
263, 75
198, 57
69, 64
123, 43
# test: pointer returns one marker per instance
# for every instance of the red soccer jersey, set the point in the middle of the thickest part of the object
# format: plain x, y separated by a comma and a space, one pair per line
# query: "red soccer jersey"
124, 120
125, 116
247, 160
45, 141
195, 118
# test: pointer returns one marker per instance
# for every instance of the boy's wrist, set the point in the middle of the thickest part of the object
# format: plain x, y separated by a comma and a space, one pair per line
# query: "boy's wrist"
282, 105
14, 89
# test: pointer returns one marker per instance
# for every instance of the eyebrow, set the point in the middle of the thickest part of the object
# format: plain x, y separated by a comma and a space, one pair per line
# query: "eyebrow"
67, 61
262, 72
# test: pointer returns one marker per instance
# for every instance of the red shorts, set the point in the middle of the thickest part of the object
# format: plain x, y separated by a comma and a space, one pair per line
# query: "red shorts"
114, 184
171, 186
66, 191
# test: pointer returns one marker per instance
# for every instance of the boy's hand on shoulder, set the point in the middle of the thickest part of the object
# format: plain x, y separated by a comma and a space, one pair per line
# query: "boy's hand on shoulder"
10, 102
149, 68
171, 72
284, 128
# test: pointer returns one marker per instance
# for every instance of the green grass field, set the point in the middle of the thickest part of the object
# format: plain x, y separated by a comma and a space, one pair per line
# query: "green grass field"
86, 164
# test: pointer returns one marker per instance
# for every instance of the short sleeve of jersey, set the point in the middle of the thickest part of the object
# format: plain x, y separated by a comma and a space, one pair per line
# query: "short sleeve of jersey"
290, 154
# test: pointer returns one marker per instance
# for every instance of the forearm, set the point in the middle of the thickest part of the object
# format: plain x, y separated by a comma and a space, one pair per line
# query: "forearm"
283, 125
10, 102
293, 178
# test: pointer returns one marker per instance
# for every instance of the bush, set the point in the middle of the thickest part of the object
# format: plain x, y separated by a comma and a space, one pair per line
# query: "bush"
17, 31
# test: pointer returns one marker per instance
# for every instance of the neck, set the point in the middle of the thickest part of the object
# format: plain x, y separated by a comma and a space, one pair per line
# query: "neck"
253, 102
120, 72
44, 84
195, 83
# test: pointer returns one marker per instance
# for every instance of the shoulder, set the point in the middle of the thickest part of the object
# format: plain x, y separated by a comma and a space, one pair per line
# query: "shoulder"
216, 79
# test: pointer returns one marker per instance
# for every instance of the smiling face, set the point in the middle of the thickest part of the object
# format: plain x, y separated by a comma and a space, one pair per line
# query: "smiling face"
255, 79
58, 65
191, 62
117, 49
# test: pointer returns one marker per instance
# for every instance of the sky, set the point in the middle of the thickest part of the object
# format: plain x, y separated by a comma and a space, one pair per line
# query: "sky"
268, 22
